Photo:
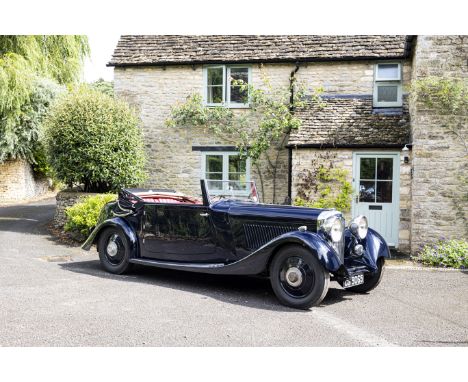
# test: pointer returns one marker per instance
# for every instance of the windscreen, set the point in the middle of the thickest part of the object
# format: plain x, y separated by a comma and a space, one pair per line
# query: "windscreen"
232, 189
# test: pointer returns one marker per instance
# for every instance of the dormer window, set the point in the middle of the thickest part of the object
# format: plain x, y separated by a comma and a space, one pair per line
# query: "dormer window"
222, 86
387, 85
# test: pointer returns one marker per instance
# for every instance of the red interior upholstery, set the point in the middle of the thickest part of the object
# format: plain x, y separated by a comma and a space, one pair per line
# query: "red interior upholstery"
173, 199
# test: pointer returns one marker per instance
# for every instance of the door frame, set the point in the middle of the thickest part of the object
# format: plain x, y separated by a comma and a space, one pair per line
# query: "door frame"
395, 188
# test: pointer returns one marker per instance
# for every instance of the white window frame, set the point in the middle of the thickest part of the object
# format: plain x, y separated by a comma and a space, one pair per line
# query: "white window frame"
225, 155
226, 86
386, 82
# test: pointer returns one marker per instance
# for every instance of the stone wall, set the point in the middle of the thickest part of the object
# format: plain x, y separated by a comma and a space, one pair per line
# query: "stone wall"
343, 158
64, 200
172, 162
440, 158
17, 181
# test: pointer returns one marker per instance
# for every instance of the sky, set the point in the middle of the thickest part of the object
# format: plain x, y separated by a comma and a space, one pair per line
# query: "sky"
102, 46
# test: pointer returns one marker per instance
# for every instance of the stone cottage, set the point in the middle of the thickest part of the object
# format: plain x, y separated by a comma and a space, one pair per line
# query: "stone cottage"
363, 125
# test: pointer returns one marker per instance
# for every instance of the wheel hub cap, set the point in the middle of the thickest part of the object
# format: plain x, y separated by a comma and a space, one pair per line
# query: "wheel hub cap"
294, 277
112, 248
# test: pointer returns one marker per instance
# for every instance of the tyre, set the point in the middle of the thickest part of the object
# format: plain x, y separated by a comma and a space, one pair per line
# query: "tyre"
371, 280
297, 278
114, 251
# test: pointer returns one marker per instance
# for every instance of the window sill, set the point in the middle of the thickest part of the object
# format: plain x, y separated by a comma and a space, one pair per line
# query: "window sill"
389, 110
231, 106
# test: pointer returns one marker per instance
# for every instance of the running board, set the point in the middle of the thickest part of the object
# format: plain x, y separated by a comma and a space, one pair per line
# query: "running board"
242, 267
193, 267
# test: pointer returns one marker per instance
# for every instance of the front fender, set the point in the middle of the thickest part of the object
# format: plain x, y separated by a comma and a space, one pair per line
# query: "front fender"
374, 245
257, 262
113, 222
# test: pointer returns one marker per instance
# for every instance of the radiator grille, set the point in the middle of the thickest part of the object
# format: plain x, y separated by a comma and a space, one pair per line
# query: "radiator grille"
257, 235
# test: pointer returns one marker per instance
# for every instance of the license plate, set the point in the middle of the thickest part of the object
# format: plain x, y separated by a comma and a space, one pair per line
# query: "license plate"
353, 281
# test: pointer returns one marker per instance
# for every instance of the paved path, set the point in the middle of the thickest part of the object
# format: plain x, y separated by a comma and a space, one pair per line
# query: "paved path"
70, 303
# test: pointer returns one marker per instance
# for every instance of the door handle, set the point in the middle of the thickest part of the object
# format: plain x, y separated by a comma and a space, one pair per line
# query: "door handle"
204, 214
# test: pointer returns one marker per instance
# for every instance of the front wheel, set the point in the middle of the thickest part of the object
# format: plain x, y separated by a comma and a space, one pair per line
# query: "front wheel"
114, 251
371, 280
297, 278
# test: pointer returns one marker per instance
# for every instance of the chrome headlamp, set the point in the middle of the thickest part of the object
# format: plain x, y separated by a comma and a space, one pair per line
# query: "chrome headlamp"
332, 224
359, 227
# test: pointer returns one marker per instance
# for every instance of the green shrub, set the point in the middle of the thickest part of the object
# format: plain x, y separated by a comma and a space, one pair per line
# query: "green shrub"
83, 216
446, 253
93, 140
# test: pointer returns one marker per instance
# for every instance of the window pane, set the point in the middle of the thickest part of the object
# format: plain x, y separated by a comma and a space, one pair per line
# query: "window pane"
214, 163
236, 164
367, 192
367, 168
238, 95
240, 74
215, 76
215, 94
388, 71
387, 93
384, 192
385, 168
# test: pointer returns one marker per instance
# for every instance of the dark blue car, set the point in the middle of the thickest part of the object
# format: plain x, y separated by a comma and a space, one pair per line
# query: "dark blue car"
227, 231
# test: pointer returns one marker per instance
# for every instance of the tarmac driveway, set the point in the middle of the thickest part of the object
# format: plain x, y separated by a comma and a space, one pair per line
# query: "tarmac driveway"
54, 295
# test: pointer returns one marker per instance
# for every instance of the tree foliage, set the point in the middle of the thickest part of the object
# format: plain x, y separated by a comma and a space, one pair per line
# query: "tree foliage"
24, 141
106, 87
23, 61
94, 140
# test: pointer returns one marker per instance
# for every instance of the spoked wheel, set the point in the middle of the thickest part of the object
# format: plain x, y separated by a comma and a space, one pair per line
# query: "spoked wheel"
371, 280
297, 278
114, 251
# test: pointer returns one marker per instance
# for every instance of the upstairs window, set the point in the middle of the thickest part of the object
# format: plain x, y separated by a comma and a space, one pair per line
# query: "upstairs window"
387, 85
221, 88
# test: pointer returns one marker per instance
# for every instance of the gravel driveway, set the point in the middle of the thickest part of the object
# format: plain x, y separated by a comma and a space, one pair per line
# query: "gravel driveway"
54, 295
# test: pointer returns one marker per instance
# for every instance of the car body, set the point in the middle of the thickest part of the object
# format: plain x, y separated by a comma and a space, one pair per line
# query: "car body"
299, 248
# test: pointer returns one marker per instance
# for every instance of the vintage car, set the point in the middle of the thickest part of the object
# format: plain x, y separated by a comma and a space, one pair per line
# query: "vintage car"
227, 231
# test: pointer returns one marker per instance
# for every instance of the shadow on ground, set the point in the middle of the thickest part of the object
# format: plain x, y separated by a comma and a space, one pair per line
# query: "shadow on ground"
252, 292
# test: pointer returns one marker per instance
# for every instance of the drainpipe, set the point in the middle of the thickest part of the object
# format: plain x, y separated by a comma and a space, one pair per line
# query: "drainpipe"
292, 80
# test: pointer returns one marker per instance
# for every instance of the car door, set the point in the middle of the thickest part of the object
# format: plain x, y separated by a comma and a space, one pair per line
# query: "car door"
177, 232
376, 180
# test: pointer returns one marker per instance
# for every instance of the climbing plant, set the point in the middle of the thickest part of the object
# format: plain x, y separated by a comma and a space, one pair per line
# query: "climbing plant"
448, 99
322, 185
260, 131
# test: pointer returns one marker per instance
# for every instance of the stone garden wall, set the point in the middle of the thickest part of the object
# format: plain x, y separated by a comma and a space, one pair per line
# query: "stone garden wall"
64, 200
17, 181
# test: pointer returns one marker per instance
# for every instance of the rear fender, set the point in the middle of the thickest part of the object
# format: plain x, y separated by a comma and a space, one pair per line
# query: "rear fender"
115, 222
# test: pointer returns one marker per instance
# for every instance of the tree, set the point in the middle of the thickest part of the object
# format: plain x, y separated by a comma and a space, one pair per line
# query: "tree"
25, 142
106, 87
94, 140
24, 60
259, 132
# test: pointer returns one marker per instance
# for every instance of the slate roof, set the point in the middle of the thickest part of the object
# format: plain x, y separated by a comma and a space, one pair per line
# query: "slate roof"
351, 121
134, 50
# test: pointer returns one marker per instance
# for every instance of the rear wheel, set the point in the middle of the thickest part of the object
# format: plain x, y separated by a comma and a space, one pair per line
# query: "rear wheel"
114, 251
371, 280
297, 278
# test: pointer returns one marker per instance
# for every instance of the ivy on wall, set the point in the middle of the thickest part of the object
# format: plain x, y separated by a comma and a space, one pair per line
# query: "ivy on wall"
448, 98
324, 186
